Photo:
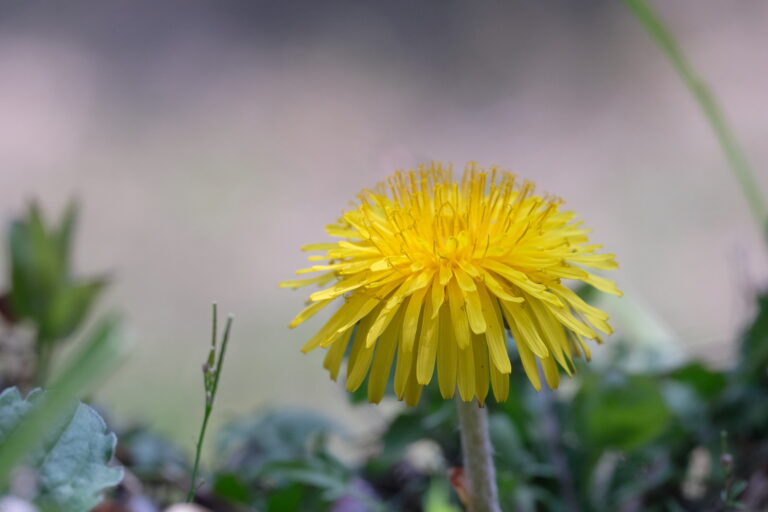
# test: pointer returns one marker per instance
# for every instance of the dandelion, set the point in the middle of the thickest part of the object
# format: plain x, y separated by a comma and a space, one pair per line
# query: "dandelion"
433, 272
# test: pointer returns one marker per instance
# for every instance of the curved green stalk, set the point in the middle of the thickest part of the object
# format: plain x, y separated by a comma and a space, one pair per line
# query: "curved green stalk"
700, 91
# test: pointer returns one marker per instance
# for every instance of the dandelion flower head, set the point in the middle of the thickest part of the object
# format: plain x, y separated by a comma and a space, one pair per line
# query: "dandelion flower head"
431, 272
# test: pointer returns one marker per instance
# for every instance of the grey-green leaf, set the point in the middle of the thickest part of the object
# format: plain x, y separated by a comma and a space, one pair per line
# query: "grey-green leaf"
72, 463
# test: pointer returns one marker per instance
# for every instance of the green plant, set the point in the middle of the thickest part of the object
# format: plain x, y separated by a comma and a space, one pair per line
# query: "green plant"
212, 369
70, 455
43, 288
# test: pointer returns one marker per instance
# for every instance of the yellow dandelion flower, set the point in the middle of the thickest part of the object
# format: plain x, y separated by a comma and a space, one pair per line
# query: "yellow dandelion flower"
433, 272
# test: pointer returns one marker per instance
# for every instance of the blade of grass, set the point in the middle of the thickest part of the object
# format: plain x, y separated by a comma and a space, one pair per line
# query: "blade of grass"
737, 160
101, 353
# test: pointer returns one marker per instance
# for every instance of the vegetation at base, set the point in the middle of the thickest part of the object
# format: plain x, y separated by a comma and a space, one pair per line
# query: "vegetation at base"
687, 438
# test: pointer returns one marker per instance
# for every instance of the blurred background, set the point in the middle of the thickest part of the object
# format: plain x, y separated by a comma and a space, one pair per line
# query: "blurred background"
208, 141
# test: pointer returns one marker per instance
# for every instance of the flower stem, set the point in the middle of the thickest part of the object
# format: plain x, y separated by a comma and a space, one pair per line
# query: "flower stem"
212, 371
479, 470
669, 46
198, 450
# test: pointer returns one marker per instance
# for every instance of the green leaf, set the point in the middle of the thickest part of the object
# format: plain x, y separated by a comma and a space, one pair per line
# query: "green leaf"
43, 290
587, 292
36, 264
230, 487
738, 488
71, 462
438, 498
323, 473
12, 407
66, 231
707, 383
403, 431
508, 447
104, 348
622, 412
152, 456
274, 435
315, 472
68, 309
754, 345
286, 499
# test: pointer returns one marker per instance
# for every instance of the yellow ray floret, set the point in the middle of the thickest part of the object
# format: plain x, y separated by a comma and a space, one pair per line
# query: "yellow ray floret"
432, 273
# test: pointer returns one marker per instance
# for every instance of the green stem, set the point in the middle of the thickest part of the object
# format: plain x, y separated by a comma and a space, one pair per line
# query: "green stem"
737, 160
220, 362
479, 470
198, 451
211, 386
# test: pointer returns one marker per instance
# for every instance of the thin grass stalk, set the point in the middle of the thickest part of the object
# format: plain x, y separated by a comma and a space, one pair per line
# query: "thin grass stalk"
734, 154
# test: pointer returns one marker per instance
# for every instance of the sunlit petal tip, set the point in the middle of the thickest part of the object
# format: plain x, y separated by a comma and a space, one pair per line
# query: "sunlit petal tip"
322, 295
318, 247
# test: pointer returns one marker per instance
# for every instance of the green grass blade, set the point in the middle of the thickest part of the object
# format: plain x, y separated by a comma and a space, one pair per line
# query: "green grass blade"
737, 160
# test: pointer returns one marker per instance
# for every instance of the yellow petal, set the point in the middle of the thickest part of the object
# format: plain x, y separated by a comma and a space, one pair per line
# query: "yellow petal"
388, 312
482, 370
343, 286
411, 319
577, 302
466, 373
438, 296
308, 312
447, 352
403, 368
298, 283
522, 281
475, 315
466, 283
360, 356
382, 362
494, 333
523, 328
332, 328
458, 314
603, 284
566, 318
529, 365
335, 355
425, 363
341, 232
553, 334
598, 261
445, 274
319, 247
368, 303
550, 372
498, 289
412, 392
499, 384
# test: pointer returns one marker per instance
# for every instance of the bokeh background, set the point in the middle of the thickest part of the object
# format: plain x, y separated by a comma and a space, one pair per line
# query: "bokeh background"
208, 141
